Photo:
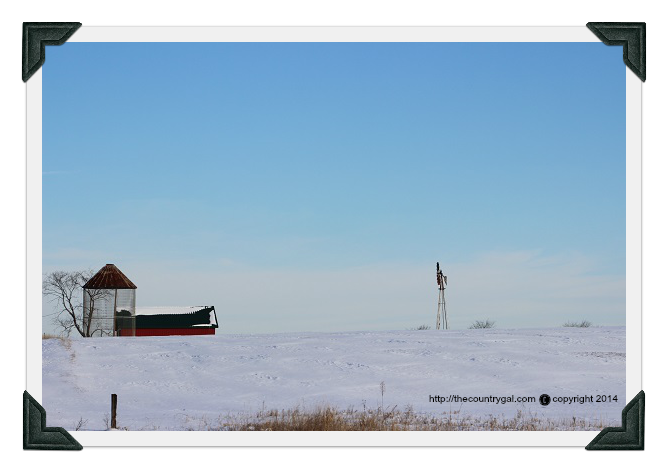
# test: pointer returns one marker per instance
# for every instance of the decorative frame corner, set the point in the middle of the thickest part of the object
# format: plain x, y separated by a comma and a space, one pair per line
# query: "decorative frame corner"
38, 35
632, 36
37, 436
631, 435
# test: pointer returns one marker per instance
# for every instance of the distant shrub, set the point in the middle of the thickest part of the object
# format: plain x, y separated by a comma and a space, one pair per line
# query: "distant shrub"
421, 327
583, 324
482, 324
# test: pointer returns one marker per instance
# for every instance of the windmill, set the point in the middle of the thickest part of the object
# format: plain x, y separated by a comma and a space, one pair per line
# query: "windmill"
441, 314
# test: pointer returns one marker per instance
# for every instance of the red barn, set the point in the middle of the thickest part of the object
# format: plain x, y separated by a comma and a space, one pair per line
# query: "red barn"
163, 321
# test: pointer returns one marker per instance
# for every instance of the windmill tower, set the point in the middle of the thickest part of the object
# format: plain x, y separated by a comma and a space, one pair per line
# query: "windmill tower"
442, 313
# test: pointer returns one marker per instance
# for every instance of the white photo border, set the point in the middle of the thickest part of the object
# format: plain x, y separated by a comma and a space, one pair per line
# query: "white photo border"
336, 34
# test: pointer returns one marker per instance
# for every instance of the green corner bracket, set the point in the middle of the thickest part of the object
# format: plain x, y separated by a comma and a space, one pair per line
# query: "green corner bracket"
629, 35
36, 36
631, 435
37, 436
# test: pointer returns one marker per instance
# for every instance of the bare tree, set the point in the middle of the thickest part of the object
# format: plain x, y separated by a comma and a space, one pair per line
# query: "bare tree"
65, 290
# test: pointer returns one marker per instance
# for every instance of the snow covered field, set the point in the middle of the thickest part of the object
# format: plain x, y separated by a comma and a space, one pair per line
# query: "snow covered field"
172, 383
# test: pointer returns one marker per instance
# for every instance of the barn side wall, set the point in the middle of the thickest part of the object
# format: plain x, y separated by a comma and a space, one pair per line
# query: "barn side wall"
163, 332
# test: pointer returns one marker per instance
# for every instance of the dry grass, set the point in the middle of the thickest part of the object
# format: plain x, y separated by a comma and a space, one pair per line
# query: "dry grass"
327, 418
48, 336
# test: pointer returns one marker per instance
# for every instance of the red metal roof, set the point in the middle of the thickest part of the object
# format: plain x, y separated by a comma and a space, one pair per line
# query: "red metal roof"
109, 277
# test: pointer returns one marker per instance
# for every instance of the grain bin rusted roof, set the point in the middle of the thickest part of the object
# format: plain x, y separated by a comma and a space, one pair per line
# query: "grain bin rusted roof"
109, 277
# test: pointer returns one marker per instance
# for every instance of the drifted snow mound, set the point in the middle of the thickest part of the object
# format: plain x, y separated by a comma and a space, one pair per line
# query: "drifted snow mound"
171, 383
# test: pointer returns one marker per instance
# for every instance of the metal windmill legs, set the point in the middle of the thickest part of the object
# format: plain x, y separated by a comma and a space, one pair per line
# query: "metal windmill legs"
442, 312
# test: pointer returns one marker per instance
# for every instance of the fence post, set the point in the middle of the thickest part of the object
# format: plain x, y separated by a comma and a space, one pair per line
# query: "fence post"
114, 402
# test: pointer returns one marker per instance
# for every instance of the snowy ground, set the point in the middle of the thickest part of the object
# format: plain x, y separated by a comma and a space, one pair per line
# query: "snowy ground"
172, 383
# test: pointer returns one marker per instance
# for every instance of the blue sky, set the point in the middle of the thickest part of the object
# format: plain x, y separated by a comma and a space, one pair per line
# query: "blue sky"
314, 186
